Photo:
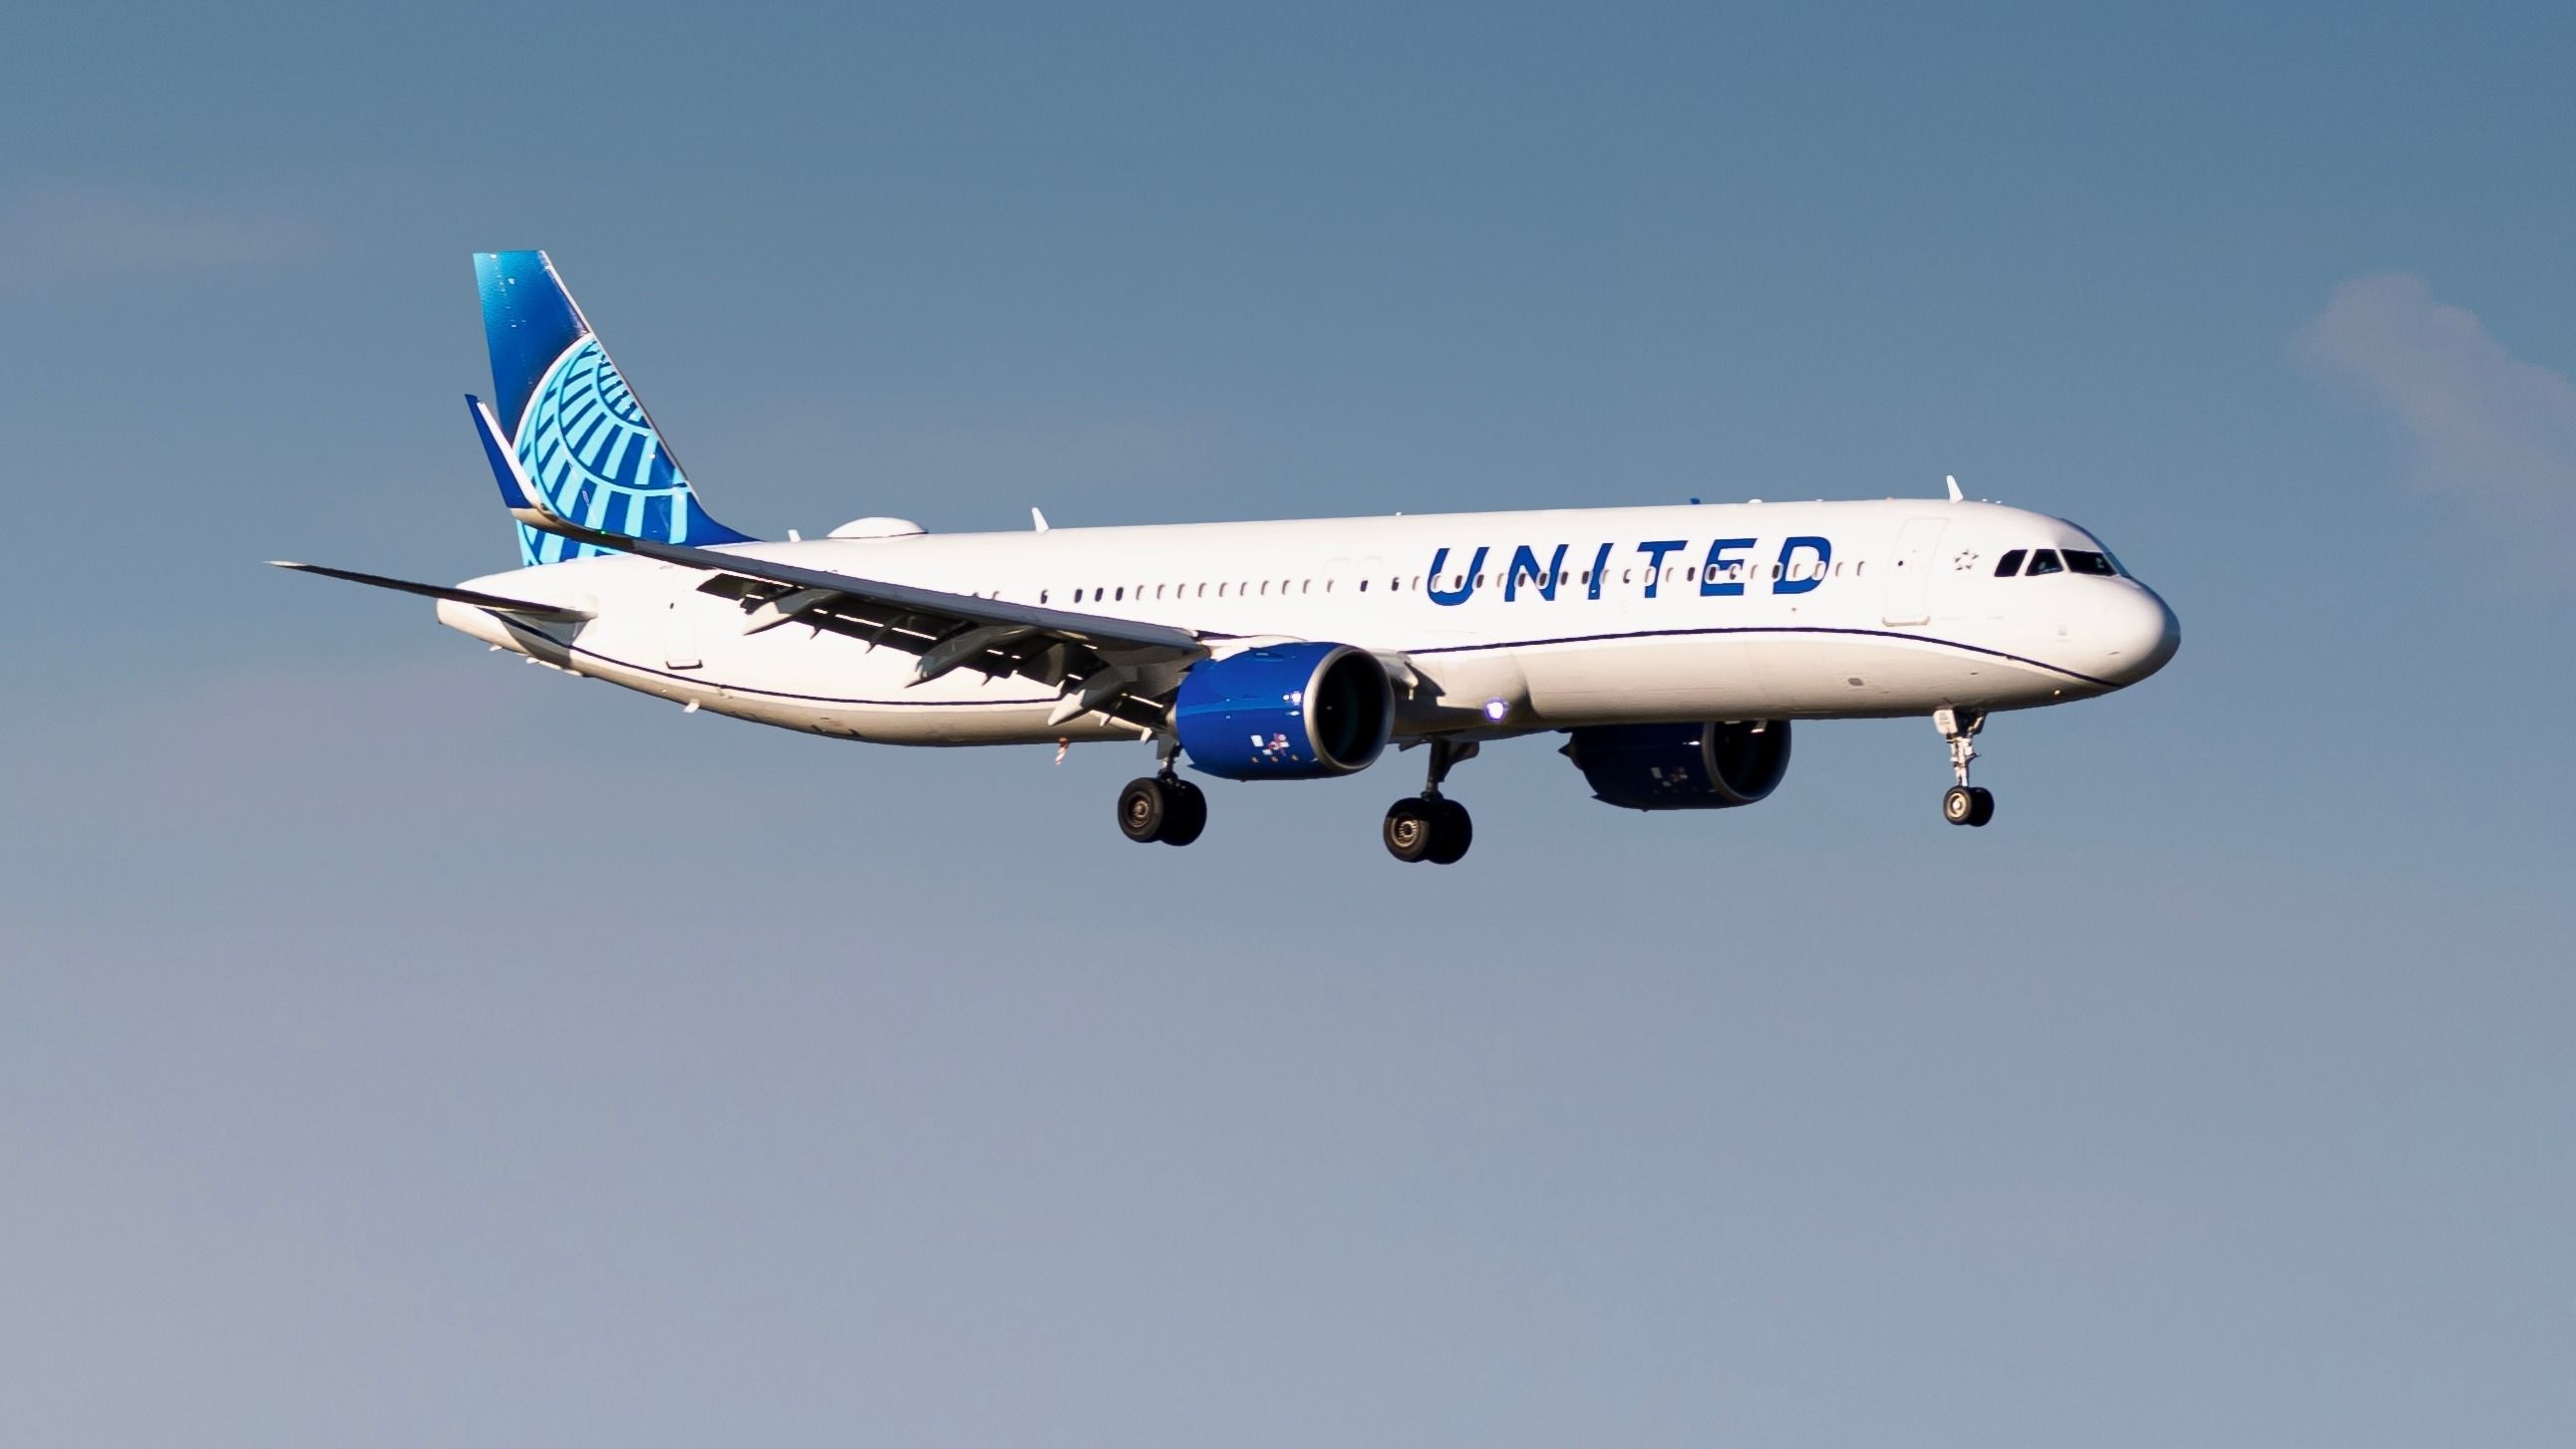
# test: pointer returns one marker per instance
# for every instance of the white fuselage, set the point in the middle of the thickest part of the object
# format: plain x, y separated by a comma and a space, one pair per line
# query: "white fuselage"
1899, 612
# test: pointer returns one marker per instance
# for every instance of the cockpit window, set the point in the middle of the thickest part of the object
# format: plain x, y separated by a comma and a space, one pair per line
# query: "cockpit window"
2044, 561
2010, 564
2090, 563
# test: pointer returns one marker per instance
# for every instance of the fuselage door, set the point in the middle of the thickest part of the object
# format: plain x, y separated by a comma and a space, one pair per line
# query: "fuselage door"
1909, 574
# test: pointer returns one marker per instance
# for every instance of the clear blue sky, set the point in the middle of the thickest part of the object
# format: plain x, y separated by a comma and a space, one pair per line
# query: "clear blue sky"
402, 1046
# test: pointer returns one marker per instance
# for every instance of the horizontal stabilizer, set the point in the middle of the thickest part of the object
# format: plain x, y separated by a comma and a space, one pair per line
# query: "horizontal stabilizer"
516, 608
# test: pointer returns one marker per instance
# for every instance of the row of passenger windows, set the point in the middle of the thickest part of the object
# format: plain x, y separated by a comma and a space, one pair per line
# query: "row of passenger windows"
2046, 561
1673, 573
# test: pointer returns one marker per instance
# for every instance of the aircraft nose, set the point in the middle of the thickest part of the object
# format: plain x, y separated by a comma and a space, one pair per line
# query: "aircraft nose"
2139, 634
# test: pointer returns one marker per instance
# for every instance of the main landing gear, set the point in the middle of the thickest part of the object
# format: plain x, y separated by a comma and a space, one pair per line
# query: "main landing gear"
1963, 803
1430, 826
1162, 806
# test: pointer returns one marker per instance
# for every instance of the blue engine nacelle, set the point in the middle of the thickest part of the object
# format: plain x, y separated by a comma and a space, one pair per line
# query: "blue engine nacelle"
1285, 712
1684, 766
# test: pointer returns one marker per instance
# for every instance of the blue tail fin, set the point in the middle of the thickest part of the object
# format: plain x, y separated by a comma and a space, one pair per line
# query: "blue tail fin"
580, 434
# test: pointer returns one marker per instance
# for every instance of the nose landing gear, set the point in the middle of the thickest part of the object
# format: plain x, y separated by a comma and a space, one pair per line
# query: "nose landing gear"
1963, 803
1430, 826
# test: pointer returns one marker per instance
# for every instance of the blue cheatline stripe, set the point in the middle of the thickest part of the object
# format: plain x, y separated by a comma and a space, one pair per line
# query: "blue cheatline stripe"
1768, 629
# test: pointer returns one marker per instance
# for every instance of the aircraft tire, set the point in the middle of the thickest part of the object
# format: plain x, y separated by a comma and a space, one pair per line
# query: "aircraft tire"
1144, 810
1959, 806
1983, 805
1184, 812
1412, 826
1452, 831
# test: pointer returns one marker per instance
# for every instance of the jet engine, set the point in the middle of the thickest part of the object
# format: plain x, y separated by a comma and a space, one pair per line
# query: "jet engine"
1285, 712
1682, 766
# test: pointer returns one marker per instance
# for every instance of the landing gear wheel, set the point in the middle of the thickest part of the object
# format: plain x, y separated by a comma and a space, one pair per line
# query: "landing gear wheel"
1983, 809
1161, 807
1451, 833
1184, 812
1411, 828
1959, 805
1428, 828
1143, 808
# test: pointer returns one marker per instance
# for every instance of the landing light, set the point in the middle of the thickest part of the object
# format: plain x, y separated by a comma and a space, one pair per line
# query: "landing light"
1495, 709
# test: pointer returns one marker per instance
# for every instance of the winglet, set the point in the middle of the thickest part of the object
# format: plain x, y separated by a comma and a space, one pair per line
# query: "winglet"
1953, 480
1038, 519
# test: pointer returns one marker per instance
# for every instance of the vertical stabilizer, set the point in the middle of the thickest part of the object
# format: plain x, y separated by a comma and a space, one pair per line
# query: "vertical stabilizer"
581, 436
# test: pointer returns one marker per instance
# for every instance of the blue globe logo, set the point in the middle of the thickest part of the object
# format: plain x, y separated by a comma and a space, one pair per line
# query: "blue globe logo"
588, 447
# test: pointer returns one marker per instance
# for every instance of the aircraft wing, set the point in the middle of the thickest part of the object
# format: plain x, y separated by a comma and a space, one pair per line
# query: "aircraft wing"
1101, 664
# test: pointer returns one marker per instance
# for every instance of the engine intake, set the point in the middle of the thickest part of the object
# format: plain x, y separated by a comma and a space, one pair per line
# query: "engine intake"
1684, 766
1285, 712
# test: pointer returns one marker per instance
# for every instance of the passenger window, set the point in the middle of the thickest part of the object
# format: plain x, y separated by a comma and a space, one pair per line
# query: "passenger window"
1265, 588
2010, 564
1220, 591
1363, 586
2044, 561
2083, 562
1042, 596
1122, 594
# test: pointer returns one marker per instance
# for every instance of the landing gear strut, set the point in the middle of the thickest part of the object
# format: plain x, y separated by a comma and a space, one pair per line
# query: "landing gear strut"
1431, 826
1162, 806
1963, 803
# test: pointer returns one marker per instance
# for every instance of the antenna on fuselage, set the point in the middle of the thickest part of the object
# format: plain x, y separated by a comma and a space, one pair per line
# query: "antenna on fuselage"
1953, 480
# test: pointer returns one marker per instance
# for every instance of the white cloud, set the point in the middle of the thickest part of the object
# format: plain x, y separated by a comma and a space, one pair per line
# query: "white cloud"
2489, 429
48, 235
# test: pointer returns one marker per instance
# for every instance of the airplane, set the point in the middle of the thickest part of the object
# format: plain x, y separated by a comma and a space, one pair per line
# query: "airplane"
1673, 647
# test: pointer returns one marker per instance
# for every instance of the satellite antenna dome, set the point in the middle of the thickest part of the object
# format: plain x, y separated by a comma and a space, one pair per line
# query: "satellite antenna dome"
874, 527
